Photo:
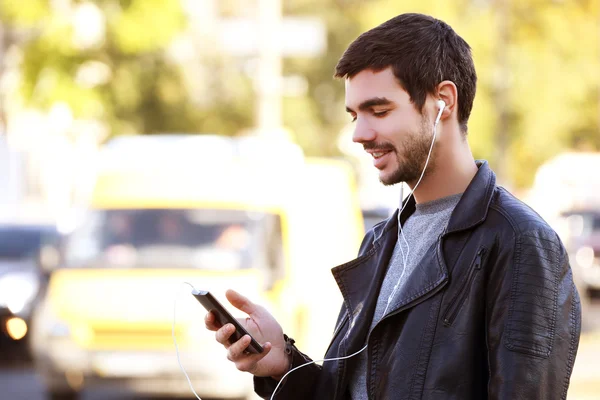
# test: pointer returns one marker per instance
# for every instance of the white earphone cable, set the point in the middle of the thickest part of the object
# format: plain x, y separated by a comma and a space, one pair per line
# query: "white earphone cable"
175, 342
312, 362
404, 259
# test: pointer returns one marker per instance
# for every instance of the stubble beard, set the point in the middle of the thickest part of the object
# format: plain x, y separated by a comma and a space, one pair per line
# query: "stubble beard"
411, 163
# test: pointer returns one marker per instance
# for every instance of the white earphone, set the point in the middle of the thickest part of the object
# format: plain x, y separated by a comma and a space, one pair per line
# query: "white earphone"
441, 105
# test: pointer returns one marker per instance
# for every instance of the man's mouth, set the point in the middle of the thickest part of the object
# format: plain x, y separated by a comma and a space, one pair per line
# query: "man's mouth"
380, 157
379, 154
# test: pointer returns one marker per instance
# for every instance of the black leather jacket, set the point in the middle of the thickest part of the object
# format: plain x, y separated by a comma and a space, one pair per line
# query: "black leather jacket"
492, 312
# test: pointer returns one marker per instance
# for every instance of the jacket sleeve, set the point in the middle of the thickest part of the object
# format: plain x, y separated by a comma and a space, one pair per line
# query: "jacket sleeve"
533, 319
299, 384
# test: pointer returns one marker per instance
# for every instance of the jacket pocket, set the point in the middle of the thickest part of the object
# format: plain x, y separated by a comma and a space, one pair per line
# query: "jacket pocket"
455, 305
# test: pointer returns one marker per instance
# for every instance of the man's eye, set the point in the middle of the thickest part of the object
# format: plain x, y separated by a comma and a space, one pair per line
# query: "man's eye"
380, 113
354, 118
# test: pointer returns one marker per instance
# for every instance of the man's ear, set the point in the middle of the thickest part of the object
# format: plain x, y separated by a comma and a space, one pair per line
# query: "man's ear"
447, 91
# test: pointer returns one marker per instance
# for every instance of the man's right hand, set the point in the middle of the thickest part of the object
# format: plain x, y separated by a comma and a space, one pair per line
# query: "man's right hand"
273, 361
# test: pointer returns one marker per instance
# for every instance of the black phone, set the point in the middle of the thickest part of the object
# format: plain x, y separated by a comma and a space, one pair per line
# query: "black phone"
223, 317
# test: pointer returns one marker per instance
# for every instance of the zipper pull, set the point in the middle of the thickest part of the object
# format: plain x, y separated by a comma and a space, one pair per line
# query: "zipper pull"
480, 255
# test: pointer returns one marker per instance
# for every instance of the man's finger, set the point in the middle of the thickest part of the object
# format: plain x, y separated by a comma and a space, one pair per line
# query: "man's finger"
240, 302
237, 349
211, 322
224, 333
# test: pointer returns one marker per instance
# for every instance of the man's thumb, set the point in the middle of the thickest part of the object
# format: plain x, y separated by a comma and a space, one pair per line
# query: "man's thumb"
240, 302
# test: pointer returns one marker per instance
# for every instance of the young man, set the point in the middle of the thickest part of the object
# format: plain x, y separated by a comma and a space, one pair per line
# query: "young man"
465, 293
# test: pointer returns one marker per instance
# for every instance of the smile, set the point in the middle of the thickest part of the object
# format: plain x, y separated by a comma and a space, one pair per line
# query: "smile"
379, 154
380, 158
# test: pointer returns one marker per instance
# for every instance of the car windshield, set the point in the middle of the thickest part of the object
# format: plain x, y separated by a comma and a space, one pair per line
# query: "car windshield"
20, 242
189, 238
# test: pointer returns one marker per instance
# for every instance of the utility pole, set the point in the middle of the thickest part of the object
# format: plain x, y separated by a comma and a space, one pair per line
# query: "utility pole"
268, 85
501, 91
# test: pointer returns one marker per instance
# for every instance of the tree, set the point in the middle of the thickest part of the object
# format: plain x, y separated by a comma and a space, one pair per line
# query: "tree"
124, 77
537, 62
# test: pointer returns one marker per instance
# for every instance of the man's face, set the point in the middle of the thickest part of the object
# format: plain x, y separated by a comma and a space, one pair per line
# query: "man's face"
388, 126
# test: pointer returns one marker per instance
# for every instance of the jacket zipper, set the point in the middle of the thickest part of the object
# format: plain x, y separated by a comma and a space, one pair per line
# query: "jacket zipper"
453, 309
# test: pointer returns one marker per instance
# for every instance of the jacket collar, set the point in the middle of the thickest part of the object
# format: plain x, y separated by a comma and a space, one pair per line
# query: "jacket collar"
471, 209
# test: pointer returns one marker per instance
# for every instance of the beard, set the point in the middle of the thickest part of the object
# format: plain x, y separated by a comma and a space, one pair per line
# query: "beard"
411, 162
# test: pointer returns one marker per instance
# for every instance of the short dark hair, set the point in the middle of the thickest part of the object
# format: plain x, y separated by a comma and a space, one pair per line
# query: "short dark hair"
422, 51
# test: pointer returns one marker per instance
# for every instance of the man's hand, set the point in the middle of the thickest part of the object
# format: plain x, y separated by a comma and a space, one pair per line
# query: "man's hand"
264, 328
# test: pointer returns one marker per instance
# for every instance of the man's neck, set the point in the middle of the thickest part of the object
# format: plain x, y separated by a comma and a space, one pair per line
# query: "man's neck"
453, 172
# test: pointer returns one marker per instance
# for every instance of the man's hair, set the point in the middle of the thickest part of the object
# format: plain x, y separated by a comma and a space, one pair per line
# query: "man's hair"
422, 52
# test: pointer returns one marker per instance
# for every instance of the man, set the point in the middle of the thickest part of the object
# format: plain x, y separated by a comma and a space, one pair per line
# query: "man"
465, 293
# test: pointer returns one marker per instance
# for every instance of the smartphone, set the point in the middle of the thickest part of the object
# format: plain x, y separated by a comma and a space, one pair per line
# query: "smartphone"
223, 317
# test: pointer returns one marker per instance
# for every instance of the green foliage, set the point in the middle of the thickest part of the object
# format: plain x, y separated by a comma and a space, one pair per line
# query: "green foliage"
145, 25
549, 74
17, 14
145, 91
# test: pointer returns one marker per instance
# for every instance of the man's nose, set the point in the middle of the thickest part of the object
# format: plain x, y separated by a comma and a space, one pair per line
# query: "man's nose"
363, 132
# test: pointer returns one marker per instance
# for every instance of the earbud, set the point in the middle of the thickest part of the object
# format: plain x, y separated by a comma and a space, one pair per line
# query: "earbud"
441, 105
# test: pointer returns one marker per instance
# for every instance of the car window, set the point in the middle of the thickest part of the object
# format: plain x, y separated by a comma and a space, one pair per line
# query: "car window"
198, 238
19, 242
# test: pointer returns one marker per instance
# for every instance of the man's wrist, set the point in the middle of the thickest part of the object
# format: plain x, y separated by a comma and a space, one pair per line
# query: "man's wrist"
289, 352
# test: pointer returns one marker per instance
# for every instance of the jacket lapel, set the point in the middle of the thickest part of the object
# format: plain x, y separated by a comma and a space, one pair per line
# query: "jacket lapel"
431, 273
359, 282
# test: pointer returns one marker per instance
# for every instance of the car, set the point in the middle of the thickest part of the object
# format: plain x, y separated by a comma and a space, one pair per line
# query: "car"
583, 246
22, 280
582, 241
107, 319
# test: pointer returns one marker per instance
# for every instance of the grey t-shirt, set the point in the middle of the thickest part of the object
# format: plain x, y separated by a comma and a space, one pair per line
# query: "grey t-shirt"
420, 231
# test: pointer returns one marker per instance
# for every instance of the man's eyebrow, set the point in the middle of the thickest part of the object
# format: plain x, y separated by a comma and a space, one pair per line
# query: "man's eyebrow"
375, 101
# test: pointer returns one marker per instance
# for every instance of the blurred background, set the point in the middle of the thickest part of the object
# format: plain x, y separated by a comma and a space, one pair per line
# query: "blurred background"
144, 143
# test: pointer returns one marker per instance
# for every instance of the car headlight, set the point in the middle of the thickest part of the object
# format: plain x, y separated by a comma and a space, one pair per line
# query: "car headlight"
585, 257
18, 289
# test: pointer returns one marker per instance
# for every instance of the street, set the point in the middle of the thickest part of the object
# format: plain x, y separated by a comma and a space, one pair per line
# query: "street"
21, 382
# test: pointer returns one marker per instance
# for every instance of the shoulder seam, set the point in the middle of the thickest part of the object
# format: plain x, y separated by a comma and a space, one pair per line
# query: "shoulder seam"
503, 212
540, 223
